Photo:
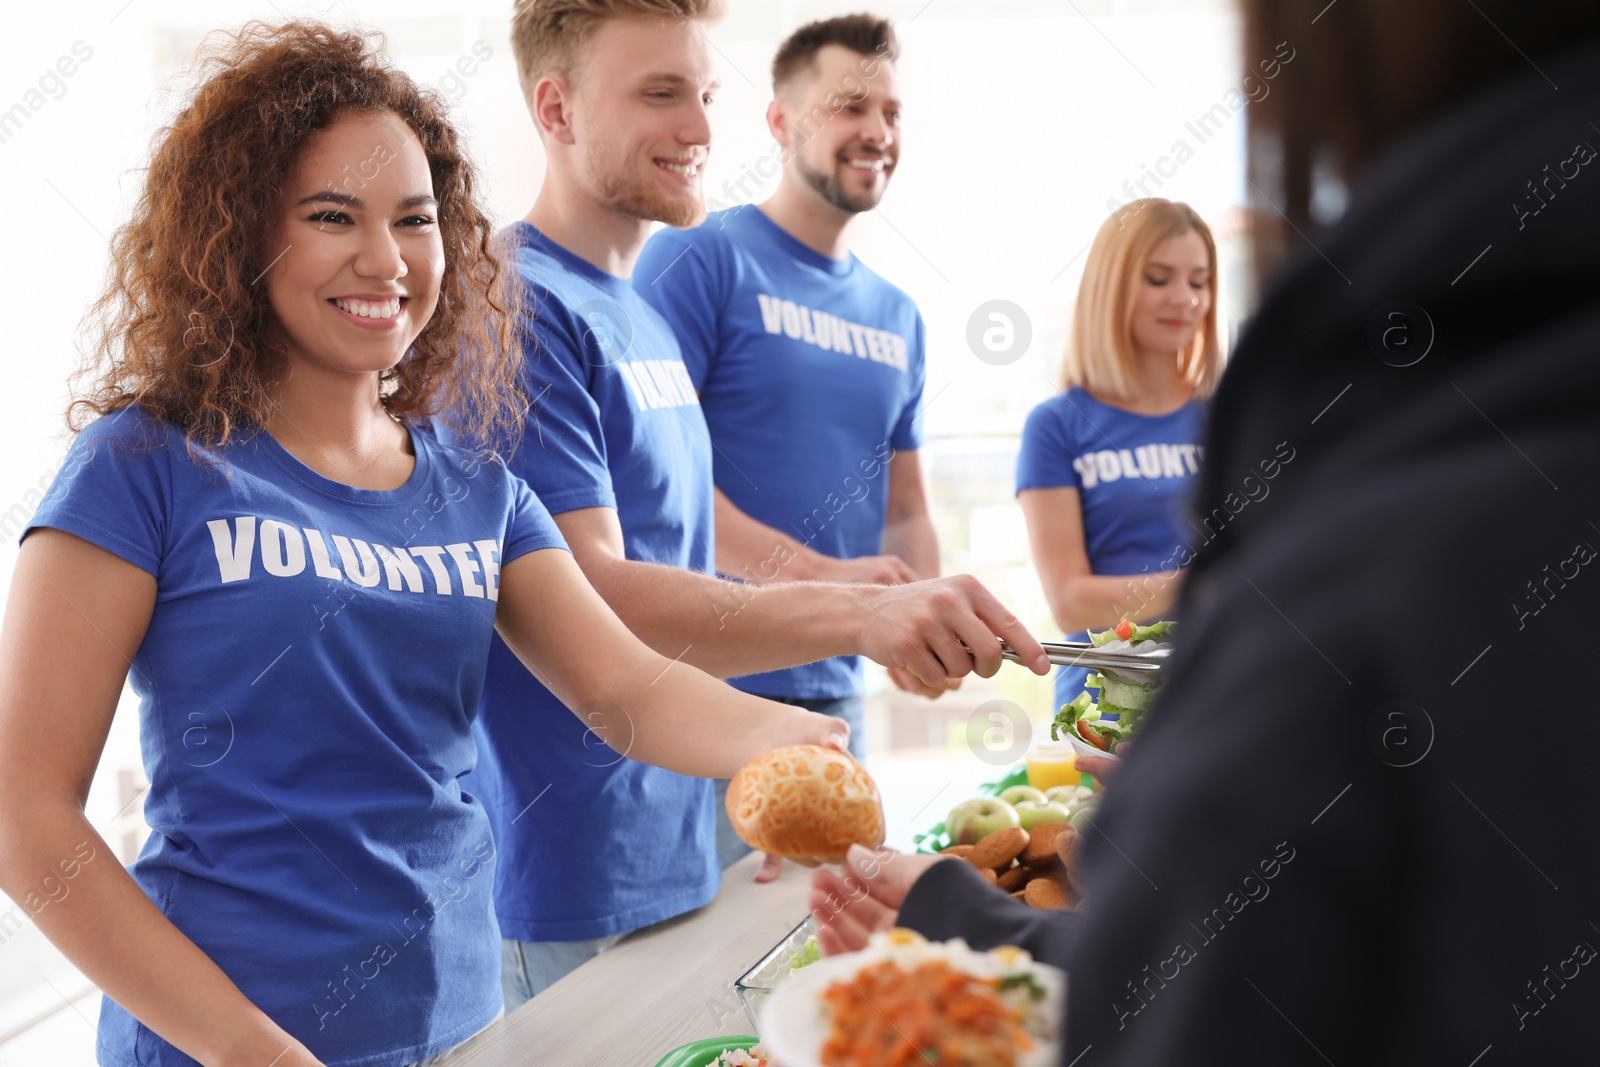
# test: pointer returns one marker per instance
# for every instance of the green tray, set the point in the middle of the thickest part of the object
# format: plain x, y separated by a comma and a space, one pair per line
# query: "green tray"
701, 1053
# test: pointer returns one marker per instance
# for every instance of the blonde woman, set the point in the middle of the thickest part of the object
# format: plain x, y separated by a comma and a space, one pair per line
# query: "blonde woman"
1105, 463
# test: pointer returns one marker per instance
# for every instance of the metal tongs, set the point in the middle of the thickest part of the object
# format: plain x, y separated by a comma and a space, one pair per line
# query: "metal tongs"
1084, 654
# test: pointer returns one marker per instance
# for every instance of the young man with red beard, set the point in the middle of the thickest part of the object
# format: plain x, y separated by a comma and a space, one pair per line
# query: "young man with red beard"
593, 845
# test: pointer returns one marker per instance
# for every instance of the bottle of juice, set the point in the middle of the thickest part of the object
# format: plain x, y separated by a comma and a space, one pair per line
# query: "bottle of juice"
1052, 763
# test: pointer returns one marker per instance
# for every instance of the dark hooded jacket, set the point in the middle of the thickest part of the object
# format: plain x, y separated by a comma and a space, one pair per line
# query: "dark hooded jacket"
1362, 826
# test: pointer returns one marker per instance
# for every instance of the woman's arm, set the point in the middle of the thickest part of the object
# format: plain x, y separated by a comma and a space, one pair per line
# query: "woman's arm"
645, 706
75, 616
1080, 599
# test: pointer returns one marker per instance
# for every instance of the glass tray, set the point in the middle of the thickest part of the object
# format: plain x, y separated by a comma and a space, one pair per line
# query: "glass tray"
772, 970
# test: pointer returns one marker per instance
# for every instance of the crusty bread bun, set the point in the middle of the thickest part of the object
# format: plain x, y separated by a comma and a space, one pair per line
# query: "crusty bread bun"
805, 802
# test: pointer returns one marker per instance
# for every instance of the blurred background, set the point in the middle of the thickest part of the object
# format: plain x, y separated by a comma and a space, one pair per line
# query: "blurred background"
1025, 123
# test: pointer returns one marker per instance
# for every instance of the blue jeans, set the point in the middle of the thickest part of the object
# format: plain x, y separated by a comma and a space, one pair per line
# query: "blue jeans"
528, 968
851, 709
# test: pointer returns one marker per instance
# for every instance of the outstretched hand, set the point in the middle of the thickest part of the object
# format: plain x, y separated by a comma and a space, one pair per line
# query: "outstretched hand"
865, 897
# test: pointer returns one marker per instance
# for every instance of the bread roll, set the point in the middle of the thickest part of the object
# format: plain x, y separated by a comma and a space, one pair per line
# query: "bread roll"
805, 802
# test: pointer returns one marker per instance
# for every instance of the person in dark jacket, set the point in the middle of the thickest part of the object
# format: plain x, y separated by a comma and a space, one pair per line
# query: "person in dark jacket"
1358, 829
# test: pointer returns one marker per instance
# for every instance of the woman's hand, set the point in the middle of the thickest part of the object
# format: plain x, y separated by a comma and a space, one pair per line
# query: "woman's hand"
801, 727
865, 898
835, 733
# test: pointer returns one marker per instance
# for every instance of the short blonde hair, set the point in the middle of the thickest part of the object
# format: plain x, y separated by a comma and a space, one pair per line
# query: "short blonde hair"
1100, 352
546, 35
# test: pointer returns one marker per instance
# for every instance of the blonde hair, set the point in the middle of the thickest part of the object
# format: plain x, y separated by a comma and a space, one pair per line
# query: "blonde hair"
546, 35
1100, 352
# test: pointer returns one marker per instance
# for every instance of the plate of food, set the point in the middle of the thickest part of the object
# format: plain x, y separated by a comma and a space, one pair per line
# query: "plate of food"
905, 999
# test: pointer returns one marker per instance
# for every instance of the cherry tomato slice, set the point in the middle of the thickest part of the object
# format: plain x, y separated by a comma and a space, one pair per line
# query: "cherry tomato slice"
1098, 740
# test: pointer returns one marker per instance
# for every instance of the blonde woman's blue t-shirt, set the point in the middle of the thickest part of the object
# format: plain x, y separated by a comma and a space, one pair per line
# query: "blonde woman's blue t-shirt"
306, 687
1133, 474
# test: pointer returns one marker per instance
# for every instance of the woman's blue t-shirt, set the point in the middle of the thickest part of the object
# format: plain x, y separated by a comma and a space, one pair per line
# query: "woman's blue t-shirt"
1132, 473
307, 686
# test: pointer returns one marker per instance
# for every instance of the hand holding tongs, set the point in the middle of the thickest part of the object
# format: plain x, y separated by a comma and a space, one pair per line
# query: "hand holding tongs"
1084, 654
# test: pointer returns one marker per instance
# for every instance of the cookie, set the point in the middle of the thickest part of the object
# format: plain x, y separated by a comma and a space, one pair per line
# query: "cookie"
1041, 850
1013, 879
1044, 893
987, 875
999, 848
958, 851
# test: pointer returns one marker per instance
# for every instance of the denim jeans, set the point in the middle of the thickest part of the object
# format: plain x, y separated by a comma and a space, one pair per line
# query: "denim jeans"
851, 709
528, 968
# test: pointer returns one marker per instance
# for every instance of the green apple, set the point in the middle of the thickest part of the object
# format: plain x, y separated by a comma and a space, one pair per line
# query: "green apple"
1068, 794
971, 821
1018, 793
1032, 813
1080, 818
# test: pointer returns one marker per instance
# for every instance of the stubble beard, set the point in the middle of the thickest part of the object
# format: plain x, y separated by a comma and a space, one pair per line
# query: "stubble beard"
621, 190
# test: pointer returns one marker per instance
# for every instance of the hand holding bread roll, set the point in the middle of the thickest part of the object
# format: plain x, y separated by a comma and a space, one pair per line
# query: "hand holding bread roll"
805, 802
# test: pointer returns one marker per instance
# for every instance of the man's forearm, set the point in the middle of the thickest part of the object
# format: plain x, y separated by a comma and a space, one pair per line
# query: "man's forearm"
730, 628
914, 540
752, 551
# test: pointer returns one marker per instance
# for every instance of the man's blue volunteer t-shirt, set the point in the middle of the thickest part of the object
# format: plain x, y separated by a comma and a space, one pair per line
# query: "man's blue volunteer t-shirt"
591, 843
1132, 472
810, 370
307, 685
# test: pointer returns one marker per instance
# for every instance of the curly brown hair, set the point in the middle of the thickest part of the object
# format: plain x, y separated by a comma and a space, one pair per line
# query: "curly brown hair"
182, 329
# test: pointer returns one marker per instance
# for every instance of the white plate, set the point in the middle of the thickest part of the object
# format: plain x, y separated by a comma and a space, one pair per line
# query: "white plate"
1084, 748
794, 1020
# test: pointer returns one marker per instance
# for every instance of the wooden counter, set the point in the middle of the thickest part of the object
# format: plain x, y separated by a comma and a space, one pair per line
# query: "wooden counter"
654, 990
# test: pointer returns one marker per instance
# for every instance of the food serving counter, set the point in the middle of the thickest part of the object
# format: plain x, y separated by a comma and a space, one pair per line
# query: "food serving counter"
654, 990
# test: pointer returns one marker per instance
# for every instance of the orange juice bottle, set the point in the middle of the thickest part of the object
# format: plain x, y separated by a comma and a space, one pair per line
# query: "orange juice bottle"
1052, 763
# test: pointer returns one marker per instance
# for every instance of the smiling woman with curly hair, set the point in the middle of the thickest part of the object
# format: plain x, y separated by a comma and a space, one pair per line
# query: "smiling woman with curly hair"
261, 535
185, 330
